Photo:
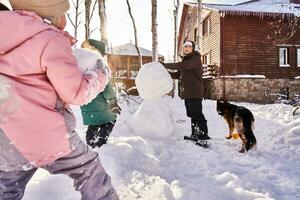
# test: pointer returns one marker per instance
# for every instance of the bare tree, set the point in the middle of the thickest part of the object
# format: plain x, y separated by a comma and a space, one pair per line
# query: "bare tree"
76, 21
103, 21
176, 12
199, 25
140, 62
154, 30
88, 17
281, 30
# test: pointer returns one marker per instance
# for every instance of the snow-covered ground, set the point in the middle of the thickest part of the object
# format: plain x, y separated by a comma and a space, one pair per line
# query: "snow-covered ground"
171, 168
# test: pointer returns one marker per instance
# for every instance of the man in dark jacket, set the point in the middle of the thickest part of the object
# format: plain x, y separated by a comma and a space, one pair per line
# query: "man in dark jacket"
189, 72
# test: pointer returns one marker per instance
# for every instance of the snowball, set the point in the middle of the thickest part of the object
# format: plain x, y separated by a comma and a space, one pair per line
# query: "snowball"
153, 81
153, 120
88, 60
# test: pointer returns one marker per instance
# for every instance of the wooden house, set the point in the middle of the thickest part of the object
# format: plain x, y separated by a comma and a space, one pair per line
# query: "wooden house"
257, 37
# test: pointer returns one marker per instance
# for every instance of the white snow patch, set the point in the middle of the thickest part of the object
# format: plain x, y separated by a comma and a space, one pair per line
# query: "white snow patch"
262, 6
174, 169
246, 76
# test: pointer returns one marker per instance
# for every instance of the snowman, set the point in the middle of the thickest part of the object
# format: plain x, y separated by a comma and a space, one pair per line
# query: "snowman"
153, 118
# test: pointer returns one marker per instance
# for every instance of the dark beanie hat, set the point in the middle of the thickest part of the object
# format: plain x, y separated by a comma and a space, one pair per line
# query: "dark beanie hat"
99, 45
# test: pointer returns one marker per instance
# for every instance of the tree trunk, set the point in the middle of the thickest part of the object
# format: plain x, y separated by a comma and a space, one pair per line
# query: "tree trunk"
103, 22
76, 21
154, 31
135, 35
87, 4
199, 24
176, 12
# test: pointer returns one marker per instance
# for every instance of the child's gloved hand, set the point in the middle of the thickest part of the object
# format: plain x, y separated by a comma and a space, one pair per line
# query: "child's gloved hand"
103, 67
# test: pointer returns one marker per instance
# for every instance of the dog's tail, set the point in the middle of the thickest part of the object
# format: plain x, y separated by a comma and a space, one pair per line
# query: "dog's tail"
248, 122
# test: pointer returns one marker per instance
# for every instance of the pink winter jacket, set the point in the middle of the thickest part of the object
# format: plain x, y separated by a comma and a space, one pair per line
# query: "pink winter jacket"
37, 69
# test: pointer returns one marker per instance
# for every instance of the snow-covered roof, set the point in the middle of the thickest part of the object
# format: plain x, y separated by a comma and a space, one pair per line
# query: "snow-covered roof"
258, 7
130, 50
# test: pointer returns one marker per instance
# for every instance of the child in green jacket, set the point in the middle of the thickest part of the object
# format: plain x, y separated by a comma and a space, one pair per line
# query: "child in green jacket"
100, 115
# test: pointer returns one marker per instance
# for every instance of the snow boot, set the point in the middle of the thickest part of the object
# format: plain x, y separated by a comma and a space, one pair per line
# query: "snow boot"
200, 130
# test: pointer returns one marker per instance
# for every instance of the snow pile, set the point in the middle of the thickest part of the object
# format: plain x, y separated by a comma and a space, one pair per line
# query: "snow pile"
292, 135
153, 81
297, 77
153, 120
48, 187
174, 169
234, 183
149, 187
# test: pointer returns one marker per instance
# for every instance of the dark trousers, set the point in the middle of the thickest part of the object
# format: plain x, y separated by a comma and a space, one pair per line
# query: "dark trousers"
198, 121
96, 136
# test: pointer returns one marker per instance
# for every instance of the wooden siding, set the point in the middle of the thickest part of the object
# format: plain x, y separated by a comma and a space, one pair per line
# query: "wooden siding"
210, 41
248, 50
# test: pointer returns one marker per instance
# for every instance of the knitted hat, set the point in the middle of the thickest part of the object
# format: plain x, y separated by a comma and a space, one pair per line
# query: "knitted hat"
44, 8
99, 45
189, 43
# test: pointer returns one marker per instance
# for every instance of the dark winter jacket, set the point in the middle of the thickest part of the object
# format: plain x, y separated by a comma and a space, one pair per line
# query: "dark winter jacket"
190, 76
98, 112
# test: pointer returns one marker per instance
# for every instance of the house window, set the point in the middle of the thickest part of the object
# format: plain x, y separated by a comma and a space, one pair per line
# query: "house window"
195, 34
283, 57
206, 59
206, 26
298, 57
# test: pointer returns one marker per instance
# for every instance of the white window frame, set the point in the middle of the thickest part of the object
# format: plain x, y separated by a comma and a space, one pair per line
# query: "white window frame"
286, 57
298, 56
207, 58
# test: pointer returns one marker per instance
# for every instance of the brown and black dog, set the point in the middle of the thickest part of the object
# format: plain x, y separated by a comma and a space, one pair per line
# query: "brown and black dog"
240, 120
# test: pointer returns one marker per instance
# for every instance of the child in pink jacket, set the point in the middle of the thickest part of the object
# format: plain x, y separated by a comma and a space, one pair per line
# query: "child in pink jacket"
38, 77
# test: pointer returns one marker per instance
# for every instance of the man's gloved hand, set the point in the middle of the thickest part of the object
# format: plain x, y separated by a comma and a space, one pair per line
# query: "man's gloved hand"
114, 107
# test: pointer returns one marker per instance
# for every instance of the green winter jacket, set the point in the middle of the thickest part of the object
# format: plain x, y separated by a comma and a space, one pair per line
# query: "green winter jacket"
98, 112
